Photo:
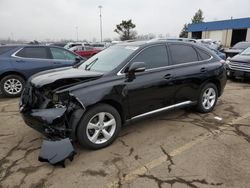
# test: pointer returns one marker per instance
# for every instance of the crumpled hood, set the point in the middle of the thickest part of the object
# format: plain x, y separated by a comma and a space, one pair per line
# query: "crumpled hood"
62, 76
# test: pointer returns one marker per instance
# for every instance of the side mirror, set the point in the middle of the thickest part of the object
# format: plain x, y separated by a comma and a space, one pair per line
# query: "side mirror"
137, 67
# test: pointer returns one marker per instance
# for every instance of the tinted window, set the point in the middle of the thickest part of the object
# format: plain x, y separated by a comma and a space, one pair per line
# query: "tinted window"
33, 52
246, 52
183, 53
203, 54
5, 49
58, 53
153, 57
108, 59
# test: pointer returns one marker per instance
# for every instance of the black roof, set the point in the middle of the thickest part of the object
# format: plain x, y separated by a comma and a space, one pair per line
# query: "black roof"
150, 42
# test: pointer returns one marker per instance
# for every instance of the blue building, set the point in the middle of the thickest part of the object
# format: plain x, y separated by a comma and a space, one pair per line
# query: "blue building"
228, 32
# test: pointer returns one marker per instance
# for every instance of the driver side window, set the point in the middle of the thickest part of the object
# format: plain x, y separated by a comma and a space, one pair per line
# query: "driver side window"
153, 57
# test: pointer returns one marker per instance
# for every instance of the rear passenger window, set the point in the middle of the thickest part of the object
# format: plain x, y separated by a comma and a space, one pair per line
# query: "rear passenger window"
153, 57
203, 54
33, 52
182, 53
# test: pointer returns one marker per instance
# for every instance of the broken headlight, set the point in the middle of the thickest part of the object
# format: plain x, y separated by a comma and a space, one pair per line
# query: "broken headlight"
60, 100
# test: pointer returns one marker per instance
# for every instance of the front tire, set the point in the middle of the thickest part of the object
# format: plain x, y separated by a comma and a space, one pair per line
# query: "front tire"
12, 85
208, 98
99, 127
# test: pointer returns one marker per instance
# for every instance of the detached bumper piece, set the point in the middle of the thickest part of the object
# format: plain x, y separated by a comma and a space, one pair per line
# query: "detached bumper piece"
56, 152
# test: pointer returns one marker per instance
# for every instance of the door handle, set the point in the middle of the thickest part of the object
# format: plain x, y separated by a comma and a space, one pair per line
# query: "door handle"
20, 61
57, 63
203, 69
167, 76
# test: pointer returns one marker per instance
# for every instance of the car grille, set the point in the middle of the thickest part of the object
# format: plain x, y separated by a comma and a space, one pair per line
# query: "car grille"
239, 66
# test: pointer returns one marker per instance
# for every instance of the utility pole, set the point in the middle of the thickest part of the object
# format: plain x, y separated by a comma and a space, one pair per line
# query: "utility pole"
76, 33
100, 7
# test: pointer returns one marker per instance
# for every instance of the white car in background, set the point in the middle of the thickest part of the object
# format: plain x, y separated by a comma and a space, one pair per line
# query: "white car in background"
72, 44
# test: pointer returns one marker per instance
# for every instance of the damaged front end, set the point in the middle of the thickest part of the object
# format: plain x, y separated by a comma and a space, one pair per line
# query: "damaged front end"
56, 115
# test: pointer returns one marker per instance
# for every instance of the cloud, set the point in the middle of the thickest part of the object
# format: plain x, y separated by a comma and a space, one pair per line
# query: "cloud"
58, 19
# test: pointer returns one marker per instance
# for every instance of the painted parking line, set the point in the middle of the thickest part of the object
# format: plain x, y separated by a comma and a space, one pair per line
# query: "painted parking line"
157, 162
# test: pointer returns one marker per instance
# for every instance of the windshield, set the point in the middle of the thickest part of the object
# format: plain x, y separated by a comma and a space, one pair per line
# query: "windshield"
108, 59
241, 45
246, 51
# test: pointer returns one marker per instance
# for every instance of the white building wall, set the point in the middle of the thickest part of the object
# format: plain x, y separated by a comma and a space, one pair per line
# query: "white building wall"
216, 35
248, 35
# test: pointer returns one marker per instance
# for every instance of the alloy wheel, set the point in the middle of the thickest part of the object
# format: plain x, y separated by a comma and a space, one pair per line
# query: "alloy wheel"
13, 86
101, 127
208, 98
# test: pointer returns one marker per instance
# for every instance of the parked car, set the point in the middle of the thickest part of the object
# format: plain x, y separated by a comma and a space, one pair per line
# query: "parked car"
121, 83
19, 62
211, 44
219, 53
59, 44
85, 51
215, 50
239, 65
236, 49
72, 44
99, 46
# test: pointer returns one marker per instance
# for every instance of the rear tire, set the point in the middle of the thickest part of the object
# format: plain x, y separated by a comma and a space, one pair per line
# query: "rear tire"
12, 85
208, 98
99, 127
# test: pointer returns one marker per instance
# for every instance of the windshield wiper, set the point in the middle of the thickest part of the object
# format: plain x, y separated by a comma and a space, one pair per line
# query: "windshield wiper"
87, 67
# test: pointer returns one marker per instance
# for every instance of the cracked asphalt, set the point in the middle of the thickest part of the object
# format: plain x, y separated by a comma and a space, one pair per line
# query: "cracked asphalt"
176, 149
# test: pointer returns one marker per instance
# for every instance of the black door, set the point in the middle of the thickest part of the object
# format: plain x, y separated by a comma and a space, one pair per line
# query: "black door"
152, 89
190, 67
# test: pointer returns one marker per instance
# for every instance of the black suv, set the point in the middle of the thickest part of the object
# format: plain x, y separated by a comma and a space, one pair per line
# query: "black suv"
91, 101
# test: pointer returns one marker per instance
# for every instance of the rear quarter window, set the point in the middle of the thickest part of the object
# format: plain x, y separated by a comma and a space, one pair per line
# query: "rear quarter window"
203, 55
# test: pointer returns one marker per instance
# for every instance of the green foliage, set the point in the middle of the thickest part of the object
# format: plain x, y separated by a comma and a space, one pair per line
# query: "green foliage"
198, 17
184, 32
125, 30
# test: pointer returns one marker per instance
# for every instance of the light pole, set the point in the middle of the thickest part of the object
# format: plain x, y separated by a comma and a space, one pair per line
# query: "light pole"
100, 7
76, 33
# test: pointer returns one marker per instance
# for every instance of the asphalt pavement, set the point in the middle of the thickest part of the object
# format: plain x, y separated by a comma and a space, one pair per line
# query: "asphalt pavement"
180, 148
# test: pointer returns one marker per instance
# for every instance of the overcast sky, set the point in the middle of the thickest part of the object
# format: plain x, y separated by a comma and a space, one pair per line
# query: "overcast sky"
58, 19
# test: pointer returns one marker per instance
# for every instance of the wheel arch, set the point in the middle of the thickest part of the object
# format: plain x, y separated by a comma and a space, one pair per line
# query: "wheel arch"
115, 105
216, 82
12, 73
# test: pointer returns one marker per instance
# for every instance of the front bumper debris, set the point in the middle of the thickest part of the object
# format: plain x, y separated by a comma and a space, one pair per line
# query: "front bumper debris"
56, 119
56, 152
50, 122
